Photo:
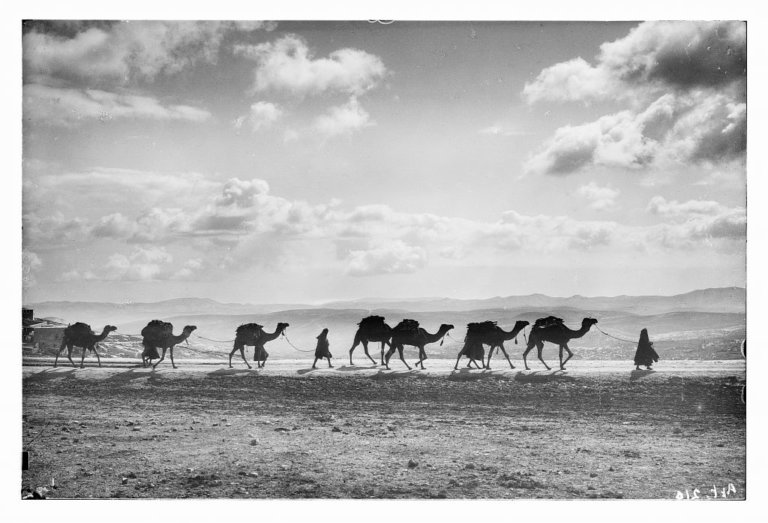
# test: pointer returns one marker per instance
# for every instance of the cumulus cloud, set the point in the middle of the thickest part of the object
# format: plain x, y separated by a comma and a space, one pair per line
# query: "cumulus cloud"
288, 64
600, 198
700, 127
654, 55
343, 120
696, 221
387, 257
119, 53
64, 106
261, 116
684, 83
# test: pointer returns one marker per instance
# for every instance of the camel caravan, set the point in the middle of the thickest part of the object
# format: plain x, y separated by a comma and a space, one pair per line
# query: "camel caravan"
159, 335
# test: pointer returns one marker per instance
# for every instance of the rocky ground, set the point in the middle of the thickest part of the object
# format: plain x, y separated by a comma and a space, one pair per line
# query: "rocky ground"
206, 431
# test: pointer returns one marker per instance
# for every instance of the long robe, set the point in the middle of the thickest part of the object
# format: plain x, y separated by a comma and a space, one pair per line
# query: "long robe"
645, 354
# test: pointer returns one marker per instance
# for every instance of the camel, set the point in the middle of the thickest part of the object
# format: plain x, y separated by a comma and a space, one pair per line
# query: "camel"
260, 354
371, 328
558, 334
496, 339
416, 337
158, 334
81, 335
246, 334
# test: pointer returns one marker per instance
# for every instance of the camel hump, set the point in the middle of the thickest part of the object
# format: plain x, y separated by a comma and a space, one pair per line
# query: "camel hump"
549, 321
482, 327
249, 328
372, 321
157, 329
79, 329
407, 326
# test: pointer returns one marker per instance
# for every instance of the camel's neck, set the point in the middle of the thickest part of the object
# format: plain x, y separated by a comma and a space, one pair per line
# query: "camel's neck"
511, 334
579, 333
269, 336
103, 335
436, 336
181, 337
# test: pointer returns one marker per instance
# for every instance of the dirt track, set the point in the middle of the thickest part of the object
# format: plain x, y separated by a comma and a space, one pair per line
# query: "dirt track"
203, 430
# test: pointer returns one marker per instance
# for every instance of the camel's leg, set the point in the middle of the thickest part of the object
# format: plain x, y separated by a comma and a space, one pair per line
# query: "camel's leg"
329, 363
540, 347
55, 362
365, 347
162, 357
314, 362
400, 350
506, 356
390, 352
264, 360
456, 367
383, 343
172, 363
242, 355
422, 357
570, 355
490, 353
354, 345
69, 354
96, 352
525, 354
82, 358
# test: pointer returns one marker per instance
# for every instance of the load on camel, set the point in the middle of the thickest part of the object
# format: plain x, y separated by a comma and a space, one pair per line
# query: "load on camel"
553, 330
81, 335
159, 335
371, 328
408, 332
473, 342
260, 354
246, 334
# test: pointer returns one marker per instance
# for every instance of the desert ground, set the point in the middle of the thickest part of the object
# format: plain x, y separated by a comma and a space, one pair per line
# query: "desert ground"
597, 430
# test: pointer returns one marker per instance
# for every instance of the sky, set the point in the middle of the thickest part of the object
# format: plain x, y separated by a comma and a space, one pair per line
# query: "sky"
303, 162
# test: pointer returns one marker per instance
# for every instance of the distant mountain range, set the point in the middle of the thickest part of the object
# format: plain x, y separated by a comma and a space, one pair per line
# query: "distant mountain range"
720, 300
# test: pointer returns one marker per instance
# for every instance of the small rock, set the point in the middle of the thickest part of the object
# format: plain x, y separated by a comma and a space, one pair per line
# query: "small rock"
228, 425
281, 429
254, 442
190, 469
335, 429
469, 466
253, 474
611, 469
412, 464
593, 475
131, 475
136, 429
590, 488
129, 423
124, 481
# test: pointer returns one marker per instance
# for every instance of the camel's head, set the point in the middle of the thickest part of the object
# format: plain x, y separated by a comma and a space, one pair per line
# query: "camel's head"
446, 327
281, 327
588, 321
188, 329
521, 324
110, 328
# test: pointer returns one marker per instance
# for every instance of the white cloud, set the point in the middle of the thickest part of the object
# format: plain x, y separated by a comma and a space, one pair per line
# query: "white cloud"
386, 257
343, 119
684, 84
63, 106
654, 55
121, 53
287, 64
261, 116
600, 198
700, 127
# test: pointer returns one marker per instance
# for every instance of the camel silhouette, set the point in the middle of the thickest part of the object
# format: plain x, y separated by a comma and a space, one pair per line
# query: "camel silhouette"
159, 335
371, 328
246, 334
558, 334
260, 354
415, 337
81, 335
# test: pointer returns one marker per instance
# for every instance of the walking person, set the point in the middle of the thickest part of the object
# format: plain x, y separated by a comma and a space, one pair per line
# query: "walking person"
645, 354
323, 350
